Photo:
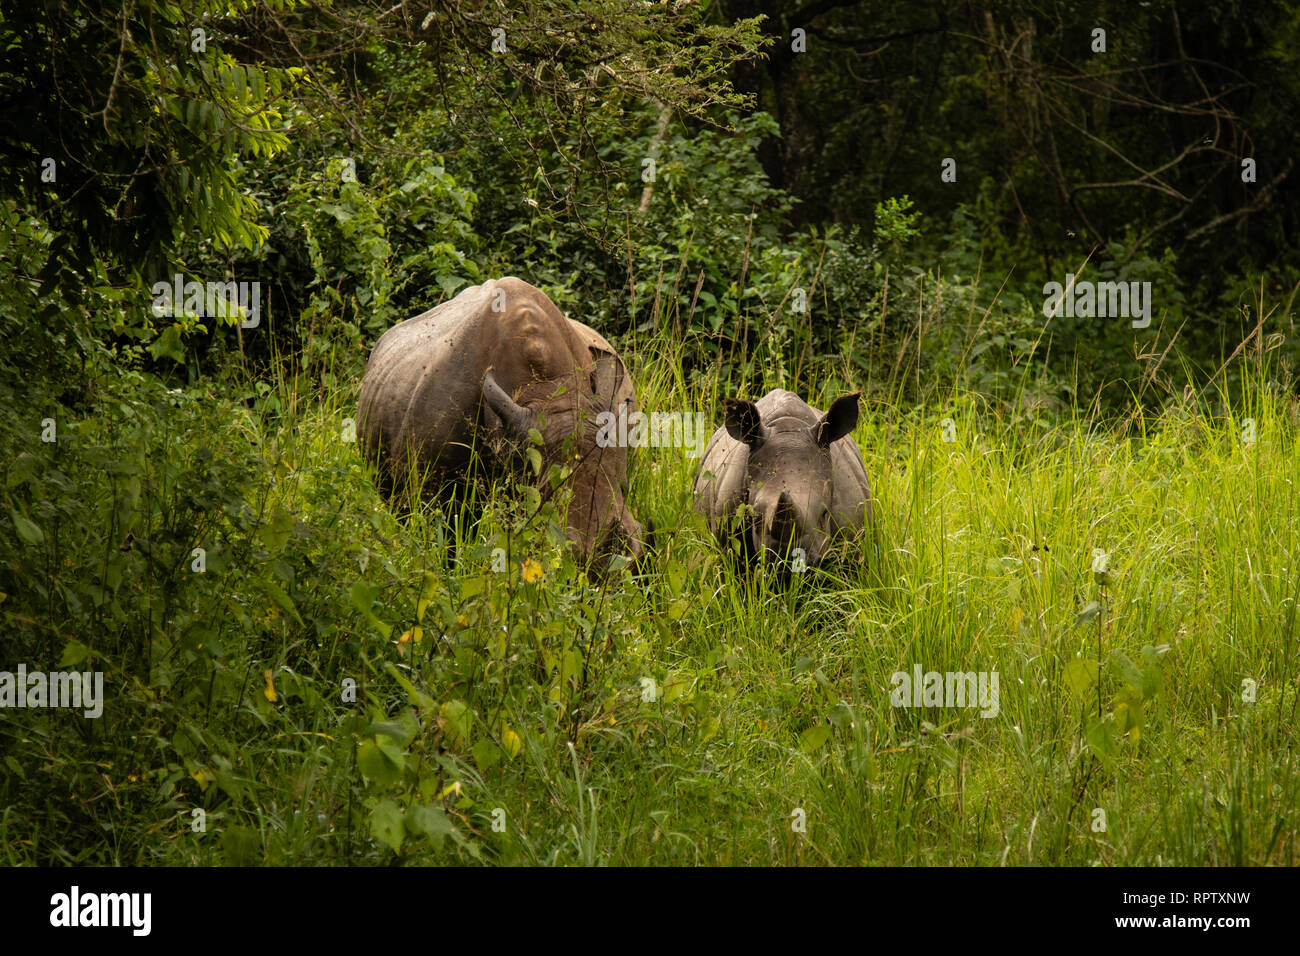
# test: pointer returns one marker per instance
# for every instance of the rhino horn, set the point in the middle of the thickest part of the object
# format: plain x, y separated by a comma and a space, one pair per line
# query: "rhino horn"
619, 539
743, 421
785, 520
839, 421
516, 419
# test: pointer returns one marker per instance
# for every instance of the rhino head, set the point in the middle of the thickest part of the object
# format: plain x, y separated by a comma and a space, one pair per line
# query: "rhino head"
789, 481
600, 524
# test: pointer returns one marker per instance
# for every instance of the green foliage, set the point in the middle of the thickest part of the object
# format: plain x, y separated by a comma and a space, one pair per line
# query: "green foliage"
895, 221
148, 122
375, 246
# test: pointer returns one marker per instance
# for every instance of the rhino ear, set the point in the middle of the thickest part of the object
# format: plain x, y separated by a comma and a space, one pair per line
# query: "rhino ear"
516, 419
607, 376
743, 422
838, 422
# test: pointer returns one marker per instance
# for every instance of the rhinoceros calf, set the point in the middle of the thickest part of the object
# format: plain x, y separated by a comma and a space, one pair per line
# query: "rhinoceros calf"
445, 391
798, 472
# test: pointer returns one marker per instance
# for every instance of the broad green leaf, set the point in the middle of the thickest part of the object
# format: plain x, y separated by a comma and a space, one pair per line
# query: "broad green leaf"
814, 737
674, 686
571, 666
377, 764
709, 727
456, 717
429, 821
1080, 676
362, 596
401, 731
841, 715
28, 530
486, 754
1153, 676
1126, 670
22, 468
386, 824
1091, 610
676, 577
275, 533
1101, 739
510, 742
74, 652
431, 586
1129, 718
279, 596
168, 345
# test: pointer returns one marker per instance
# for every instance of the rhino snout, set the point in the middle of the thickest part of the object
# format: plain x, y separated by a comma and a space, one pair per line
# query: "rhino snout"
621, 536
636, 540
782, 530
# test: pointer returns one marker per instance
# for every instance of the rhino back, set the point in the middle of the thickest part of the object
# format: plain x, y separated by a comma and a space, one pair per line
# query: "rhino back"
422, 387
625, 392
778, 406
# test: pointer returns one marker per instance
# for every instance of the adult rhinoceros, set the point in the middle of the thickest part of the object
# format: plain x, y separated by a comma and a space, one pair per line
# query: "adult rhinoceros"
447, 391
782, 476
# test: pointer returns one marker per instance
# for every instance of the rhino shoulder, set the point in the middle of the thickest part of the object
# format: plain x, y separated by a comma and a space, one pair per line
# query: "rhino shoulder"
591, 339
852, 494
421, 378
720, 479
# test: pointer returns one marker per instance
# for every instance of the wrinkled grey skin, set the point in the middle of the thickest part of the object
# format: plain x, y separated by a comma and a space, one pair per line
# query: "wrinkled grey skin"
780, 475
462, 384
